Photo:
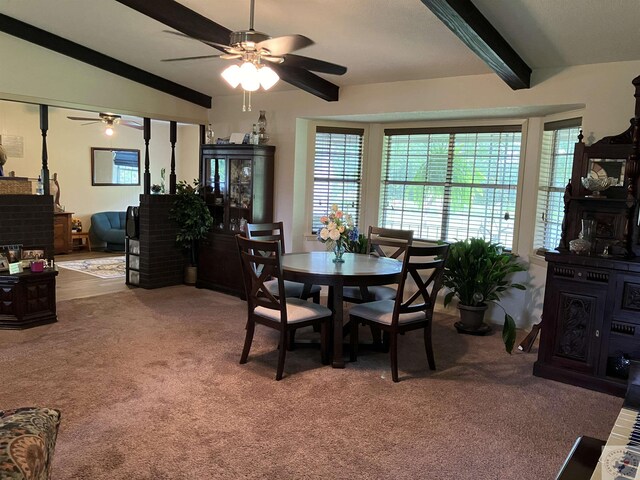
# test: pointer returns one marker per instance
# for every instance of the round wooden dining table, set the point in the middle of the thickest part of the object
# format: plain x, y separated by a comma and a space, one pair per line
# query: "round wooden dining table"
318, 268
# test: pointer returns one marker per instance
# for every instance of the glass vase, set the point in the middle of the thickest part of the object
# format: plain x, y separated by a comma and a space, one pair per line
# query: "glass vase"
338, 250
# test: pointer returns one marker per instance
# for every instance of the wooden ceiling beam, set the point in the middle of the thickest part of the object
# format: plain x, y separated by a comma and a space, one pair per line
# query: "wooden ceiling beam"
465, 20
182, 19
79, 52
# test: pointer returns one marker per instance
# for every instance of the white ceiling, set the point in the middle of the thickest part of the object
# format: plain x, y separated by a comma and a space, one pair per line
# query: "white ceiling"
378, 40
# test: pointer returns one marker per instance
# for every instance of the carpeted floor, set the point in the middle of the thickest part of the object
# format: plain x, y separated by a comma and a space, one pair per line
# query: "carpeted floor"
109, 267
150, 388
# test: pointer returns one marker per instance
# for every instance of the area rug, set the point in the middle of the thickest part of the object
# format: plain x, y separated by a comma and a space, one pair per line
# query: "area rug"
106, 267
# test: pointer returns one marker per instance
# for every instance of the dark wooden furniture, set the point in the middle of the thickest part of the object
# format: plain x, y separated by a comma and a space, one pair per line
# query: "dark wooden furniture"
261, 261
238, 182
62, 242
27, 299
317, 268
591, 320
83, 240
275, 231
383, 242
591, 325
424, 265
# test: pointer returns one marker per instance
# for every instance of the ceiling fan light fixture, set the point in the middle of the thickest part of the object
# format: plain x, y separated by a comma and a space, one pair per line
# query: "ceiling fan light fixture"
109, 130
268, 78
249, 80
232, 75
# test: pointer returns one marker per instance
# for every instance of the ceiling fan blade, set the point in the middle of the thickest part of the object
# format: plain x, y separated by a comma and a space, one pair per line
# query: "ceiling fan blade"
213, 44
285, 44
84, 118
230, 56
199, 57
314, 64
91, 123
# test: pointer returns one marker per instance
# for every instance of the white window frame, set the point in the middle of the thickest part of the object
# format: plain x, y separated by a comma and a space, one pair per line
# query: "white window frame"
556, 153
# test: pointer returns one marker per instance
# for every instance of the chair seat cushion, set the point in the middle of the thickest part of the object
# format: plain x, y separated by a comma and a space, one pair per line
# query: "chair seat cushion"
297, 311
27, 440
380, 292
291, 289
382, 311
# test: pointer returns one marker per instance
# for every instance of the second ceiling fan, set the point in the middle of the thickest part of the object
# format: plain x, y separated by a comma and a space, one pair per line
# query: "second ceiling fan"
110, 120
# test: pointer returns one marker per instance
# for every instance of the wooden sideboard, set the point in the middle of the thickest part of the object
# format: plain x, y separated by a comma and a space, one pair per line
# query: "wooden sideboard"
62, 232
591, 314
591, 324
27, 299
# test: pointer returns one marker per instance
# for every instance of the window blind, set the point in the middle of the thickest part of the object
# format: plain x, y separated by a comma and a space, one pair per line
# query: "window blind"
451, 184
337, 172
556, 162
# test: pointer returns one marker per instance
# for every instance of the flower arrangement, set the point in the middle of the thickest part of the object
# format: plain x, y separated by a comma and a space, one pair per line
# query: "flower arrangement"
338, 231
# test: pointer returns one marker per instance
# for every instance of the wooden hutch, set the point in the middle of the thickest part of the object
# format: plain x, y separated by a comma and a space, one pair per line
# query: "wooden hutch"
591, 313
238, 182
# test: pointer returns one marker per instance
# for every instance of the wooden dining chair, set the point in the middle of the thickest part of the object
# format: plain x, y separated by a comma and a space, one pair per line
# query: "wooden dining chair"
383, 242
416, 312
261, 260
275, 232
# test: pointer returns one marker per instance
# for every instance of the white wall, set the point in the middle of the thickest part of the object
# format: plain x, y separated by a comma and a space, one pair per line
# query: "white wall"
69, 150
604, 91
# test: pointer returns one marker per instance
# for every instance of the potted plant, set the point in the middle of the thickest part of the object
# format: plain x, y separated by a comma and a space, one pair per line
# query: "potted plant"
476, 272
194, 221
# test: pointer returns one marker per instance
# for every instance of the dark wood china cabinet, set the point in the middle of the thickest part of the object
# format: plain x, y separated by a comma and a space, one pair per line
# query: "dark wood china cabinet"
238, 181
591, 313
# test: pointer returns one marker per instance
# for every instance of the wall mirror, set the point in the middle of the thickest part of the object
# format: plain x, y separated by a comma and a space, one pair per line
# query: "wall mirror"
608, 167
115, 166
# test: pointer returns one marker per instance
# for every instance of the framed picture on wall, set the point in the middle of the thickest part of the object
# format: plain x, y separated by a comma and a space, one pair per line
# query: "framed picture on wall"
4, 263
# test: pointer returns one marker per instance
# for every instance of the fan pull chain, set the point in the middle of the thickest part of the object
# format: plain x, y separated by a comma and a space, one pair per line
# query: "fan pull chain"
246, 97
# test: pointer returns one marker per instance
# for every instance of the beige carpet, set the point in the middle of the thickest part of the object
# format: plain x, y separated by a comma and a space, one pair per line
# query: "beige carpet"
150, 388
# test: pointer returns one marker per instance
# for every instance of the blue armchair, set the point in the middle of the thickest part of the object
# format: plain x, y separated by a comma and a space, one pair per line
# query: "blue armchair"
109, 227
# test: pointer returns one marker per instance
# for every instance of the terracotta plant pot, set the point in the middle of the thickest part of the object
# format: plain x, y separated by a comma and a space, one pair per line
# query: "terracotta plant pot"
190, 275
472, 320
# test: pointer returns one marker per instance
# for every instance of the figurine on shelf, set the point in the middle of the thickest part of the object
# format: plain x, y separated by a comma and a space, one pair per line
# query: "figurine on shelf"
263, 138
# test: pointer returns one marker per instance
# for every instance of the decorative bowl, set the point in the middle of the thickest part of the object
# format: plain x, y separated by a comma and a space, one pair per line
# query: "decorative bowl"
580, 246
597, 185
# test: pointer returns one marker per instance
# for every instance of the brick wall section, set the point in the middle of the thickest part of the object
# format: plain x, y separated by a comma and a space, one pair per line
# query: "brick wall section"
161, 260
27, 220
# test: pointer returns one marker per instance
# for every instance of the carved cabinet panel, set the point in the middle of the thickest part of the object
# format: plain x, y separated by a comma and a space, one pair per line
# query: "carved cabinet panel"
591, 321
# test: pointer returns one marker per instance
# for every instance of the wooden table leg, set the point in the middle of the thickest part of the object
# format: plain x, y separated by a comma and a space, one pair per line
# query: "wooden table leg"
336, 296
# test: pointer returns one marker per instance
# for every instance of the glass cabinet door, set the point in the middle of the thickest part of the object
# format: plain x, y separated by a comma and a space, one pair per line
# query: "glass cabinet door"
240, 193
216, 186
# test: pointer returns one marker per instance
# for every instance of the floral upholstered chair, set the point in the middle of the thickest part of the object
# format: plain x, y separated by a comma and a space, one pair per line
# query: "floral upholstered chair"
27, 440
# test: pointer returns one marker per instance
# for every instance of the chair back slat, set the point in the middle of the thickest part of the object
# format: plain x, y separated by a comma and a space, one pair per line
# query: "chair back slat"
379, 237
261, 261
426, 274
267, 232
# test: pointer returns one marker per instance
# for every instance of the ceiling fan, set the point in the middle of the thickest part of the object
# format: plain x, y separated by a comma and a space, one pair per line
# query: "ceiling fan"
110, 120
257, 50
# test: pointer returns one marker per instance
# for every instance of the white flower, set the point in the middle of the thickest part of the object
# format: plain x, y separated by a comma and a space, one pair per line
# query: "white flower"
334, 207
324, 234
332, 226
334, 234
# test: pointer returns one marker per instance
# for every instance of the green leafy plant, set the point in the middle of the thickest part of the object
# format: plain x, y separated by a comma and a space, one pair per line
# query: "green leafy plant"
192, 216
360, 245
476, 272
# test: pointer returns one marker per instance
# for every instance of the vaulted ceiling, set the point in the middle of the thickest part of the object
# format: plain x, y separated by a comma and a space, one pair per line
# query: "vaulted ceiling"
379, 41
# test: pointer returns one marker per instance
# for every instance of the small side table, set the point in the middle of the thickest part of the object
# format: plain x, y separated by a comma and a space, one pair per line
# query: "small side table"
85, 241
